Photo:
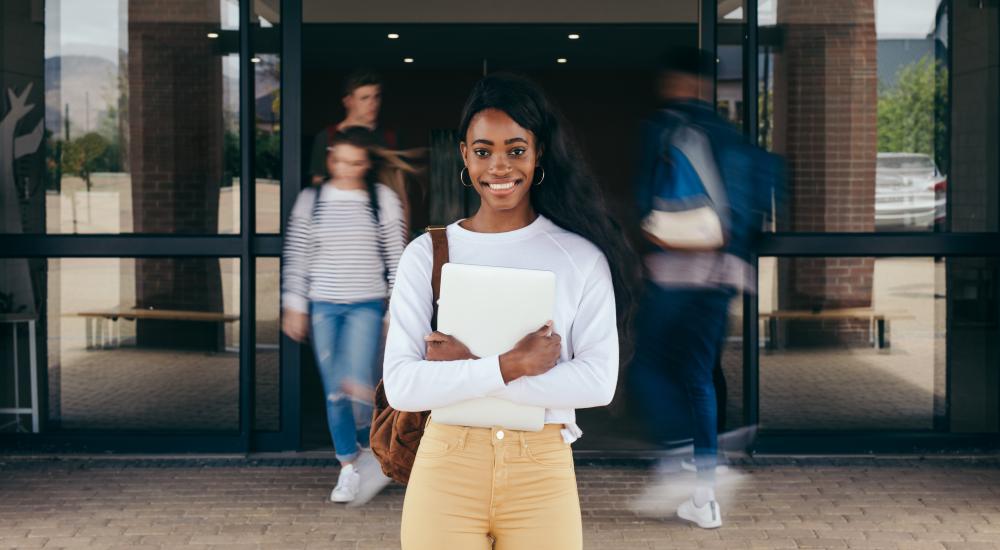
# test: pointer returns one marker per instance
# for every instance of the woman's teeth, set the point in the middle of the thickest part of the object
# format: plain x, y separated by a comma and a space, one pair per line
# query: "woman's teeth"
501, 186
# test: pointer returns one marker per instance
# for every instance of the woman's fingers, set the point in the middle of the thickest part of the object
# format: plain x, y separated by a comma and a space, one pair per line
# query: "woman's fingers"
437, 337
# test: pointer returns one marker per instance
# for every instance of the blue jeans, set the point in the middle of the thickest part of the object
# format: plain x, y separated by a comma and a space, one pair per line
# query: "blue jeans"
346, 338
679, 335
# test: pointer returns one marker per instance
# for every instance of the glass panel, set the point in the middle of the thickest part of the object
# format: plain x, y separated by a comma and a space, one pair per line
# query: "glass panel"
974, 193
866, 343
152, 344
855, 95
267, 109
267, 384
729, 73
729, 374
136, 109
21, 332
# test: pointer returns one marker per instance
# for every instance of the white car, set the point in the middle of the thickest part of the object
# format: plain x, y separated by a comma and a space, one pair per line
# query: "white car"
910, 193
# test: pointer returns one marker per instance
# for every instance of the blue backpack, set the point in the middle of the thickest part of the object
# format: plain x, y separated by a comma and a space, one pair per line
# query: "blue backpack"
703, 161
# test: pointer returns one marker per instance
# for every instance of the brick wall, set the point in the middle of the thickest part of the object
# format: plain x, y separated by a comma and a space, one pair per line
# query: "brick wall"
175, 121
825, 117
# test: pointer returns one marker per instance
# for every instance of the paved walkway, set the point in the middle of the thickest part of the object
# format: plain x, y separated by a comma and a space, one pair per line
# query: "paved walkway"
861, 503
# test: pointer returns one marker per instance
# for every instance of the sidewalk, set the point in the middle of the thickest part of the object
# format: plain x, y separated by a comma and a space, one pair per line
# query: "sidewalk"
278, 503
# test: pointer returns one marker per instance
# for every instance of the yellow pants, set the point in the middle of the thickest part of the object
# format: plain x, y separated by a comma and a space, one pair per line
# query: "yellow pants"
481, 488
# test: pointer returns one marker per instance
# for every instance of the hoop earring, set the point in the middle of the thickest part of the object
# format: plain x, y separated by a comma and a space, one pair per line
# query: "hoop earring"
461, 177
539, 182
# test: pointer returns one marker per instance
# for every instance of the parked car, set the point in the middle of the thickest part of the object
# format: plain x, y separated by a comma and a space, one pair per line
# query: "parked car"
910, 193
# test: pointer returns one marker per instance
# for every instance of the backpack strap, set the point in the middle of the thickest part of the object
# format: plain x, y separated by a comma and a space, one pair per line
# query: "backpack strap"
439, 241
692, 141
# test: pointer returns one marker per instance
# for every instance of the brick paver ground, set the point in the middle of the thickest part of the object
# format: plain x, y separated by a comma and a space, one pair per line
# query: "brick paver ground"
860, 503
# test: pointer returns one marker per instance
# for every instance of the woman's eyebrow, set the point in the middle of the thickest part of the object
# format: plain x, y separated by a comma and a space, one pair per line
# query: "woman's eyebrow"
506, 142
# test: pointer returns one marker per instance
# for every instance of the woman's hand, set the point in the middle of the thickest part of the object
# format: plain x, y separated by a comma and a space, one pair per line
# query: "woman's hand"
442, 347
295, 324
536, 353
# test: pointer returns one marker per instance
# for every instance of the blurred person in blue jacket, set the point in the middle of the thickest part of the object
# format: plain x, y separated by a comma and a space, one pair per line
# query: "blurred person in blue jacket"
703, 194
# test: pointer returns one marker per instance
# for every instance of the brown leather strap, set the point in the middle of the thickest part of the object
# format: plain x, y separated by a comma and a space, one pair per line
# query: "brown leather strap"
439, 241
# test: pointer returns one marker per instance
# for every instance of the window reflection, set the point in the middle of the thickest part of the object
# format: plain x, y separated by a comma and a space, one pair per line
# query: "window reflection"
855, 343
848, 92
153, 344
141, 117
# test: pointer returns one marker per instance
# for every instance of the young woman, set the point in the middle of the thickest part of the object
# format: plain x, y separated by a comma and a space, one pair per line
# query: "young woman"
540, 209
343, 244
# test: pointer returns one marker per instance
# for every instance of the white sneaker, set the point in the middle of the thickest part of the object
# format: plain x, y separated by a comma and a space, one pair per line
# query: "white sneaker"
688, 465
372, 478
706, 517
348, 485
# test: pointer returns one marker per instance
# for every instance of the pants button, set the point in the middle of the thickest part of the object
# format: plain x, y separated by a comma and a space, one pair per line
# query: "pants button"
500, 434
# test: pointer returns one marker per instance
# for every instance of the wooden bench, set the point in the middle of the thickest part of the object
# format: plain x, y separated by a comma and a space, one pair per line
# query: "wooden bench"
878, 321
100, 333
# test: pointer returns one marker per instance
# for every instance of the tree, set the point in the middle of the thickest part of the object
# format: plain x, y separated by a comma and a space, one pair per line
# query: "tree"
912, 115
85, 155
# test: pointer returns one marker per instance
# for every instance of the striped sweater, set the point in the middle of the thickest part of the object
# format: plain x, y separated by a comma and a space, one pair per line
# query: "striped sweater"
333, 250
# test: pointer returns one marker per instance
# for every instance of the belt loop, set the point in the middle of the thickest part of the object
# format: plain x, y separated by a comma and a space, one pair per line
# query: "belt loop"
463, 437
524, 444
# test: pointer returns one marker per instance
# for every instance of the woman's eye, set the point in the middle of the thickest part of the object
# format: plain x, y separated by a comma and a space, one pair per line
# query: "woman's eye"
481, 153
518, 151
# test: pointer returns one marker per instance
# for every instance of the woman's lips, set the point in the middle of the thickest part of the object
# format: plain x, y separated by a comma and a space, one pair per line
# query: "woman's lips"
500, 188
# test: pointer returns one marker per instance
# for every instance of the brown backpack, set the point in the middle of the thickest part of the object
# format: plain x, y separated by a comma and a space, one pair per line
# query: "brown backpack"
395, 435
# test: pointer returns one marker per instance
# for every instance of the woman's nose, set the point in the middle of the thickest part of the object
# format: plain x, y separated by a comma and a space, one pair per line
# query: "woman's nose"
500, 165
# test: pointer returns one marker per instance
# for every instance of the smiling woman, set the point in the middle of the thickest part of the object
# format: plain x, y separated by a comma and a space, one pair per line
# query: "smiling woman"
501, 158
512, 141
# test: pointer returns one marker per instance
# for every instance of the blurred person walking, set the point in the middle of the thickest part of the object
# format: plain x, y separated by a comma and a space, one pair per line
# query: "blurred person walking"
344, 241
702, 193
362, 100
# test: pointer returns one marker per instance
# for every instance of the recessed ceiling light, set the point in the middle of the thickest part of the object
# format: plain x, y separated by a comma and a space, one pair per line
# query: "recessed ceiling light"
562, 60
407, 60
574, 36
392, 36
213, 35
255, 60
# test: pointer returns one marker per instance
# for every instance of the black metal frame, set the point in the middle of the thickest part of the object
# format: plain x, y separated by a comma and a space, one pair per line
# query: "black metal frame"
290, 355
248, 246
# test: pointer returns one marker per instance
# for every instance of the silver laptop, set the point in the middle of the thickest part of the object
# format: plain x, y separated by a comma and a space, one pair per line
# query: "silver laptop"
489, 309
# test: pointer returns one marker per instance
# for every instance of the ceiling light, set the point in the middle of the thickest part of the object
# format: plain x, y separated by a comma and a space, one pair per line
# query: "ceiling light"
255, 60
213, 35
393, 36
562, 60
574, 36
407, 60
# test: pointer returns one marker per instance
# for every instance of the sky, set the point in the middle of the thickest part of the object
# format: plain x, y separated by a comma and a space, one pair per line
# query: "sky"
92, 27
893, 18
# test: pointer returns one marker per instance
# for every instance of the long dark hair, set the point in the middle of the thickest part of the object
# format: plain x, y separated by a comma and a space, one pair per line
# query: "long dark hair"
388, 167
569, 195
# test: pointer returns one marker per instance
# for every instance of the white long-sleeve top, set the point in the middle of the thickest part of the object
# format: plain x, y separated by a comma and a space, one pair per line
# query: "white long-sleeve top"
587, 371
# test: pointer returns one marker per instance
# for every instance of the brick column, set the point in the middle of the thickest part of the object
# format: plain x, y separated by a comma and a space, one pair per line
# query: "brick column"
175, 122
825, 123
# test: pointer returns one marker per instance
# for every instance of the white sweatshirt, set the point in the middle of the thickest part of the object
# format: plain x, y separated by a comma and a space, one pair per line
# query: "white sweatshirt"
587, 372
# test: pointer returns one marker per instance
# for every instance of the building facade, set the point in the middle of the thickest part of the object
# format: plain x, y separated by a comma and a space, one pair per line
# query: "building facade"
139, 274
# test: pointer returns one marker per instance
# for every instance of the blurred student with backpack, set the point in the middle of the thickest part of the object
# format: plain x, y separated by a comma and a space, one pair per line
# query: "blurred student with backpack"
702, 193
